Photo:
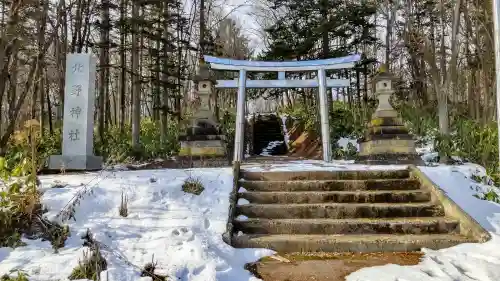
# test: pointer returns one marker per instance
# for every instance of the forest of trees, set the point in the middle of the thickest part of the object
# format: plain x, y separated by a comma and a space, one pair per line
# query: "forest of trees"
148, 51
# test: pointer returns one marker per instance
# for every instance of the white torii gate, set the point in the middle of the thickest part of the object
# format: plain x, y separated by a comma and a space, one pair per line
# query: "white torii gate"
321, 82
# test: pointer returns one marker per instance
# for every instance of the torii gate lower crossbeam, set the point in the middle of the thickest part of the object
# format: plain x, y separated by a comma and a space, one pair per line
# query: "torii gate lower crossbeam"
321, 82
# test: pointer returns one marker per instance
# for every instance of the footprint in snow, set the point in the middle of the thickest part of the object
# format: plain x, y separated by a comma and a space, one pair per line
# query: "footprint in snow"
206, 223
198, 270
182, 234
222, 267
156, 197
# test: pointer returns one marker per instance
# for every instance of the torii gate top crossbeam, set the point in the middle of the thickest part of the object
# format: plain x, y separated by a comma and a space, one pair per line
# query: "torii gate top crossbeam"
269, 66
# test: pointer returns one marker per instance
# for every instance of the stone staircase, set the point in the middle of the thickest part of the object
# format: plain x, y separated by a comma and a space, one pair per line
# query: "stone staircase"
265, 132
341, 211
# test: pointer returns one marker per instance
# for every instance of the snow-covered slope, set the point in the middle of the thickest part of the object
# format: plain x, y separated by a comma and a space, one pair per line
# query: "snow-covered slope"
465, 262
180, 231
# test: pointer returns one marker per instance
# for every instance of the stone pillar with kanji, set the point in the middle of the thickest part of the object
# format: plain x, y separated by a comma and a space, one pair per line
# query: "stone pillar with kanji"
386, 139
202, 138
78, 118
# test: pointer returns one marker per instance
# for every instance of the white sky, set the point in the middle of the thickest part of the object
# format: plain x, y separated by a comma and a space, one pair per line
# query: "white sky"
241, 11
244, 13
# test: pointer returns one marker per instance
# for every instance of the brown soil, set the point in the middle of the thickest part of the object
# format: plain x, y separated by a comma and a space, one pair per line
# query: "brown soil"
305, 144
326, 267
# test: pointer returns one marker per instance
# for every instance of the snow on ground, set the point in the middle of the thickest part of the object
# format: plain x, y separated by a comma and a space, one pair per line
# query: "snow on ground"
286, 134
318, 165
344, 143
181, 232
270, 146
465, 262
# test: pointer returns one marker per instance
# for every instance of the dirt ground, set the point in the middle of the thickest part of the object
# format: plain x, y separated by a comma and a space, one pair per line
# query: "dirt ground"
325, 267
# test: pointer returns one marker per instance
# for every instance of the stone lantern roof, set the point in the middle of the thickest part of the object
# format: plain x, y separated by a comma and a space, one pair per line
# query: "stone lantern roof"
383, 74
204, 73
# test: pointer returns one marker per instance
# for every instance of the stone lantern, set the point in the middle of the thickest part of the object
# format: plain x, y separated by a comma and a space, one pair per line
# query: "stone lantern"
202, 138
383, 91
386, 139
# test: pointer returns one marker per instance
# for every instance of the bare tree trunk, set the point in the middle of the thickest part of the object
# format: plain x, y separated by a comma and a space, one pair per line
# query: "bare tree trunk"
165, 94
178, 96
123, 63
104, 68
471, 65
61, 49
391, 17
202, 31
136, 80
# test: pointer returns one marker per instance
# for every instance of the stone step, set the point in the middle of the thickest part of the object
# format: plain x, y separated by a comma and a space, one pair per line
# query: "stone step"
285, 243
388, 130
325, 175
266, 131
267, 141
340, 210
264, 144
398, 196
375, 137
269, 138
331, 185
432, 225
263, 135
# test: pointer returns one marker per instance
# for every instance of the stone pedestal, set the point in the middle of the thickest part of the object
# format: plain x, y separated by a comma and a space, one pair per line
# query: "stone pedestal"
202, 145
387, 140
78, 120
202, 138
75, 162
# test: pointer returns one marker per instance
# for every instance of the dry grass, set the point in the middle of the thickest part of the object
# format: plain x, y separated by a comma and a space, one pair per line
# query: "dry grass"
149, 271
193, 185
92, 264
123, 209
20, 277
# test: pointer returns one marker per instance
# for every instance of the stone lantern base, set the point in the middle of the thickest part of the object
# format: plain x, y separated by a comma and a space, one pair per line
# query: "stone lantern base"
202, 148
208, 145
387, 141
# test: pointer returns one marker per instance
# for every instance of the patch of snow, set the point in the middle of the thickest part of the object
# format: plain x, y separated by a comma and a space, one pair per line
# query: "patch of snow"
426, 149
430, 157
344, 143
242, 218
183, 232
433, 157
243, 201
318, 165
284, 117
242, 189
463, 262
266, 151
